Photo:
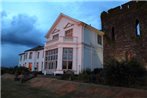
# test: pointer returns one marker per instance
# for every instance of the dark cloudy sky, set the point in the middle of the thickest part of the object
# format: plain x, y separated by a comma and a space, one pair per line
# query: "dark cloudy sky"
24, 23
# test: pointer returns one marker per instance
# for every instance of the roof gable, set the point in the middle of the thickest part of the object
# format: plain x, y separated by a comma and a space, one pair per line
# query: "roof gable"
58, 20
68, 25
54, 30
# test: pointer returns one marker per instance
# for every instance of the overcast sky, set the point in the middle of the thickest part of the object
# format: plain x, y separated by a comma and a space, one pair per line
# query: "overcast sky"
24, 23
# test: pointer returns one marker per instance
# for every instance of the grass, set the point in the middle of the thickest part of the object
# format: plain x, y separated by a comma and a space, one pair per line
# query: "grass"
42, 87
13, 89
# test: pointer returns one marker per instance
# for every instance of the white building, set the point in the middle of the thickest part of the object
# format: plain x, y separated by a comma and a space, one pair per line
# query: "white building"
33, 58
72, 45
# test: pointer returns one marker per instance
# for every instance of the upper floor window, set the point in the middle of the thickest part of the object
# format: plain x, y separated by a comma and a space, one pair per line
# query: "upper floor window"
138, 32
43, 54
38, 55
55, 36
69, 33
26, 55
20, 57
99, 39
30, 55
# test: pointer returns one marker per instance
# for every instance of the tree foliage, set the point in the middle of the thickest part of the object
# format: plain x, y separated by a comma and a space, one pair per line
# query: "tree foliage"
125, 73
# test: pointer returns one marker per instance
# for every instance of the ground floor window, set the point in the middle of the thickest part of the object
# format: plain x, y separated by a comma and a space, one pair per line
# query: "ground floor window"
51, 59
36, 67
67, 58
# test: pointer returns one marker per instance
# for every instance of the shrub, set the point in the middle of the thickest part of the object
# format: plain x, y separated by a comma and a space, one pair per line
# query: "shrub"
14, 70
97, 70
126, 73
85, 76
68, 75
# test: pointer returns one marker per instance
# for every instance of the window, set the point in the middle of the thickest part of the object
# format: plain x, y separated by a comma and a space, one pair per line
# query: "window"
138, 33
69, 33
36, 67
25, 56
20, 57
55, 37
43, 54
46, 67
30, 55
42, 66
51, 58
38, 54
113, 34
67, 58
99, 39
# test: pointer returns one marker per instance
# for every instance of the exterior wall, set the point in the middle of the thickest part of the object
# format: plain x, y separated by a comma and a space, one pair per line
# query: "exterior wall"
21, 60
61, 43
39, 60
126, 43
87, 53
33, 60
60, 26
92, 51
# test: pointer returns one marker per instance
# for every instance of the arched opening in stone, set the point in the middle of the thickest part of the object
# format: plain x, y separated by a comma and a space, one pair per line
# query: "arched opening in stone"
137, 27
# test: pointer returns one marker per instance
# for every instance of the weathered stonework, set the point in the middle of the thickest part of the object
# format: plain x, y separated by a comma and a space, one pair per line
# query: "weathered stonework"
119, 24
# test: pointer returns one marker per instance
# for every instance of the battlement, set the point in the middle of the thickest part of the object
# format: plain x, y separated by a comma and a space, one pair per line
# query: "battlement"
122, 8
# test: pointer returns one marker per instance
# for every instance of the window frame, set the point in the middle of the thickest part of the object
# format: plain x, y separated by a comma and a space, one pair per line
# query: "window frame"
99, 39
51, 59
69, 31
67, 52
30, 55
55, 37
38, 53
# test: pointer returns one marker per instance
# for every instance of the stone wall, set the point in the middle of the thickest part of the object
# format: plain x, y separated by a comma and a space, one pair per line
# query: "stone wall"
120, 24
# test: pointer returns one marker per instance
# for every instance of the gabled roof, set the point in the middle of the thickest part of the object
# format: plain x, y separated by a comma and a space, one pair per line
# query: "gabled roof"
33, 49
68, 17
21, 53
36, 48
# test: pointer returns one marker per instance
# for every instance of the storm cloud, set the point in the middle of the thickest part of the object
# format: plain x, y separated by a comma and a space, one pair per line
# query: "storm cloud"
21, 30
18, 34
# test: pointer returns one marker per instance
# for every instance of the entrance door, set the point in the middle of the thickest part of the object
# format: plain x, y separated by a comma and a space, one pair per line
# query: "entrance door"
30, 66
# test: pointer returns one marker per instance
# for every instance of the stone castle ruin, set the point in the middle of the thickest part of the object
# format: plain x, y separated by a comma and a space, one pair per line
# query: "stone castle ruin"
125, 30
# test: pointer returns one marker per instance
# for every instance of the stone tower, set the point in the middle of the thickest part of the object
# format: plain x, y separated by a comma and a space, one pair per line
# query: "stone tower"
125, 30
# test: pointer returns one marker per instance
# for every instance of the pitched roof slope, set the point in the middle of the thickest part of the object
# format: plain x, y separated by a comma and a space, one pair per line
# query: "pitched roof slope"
75, 20
36, 48
33, 49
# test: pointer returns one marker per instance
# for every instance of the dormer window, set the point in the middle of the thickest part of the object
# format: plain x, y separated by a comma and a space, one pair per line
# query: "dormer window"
69, 33
55, 37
